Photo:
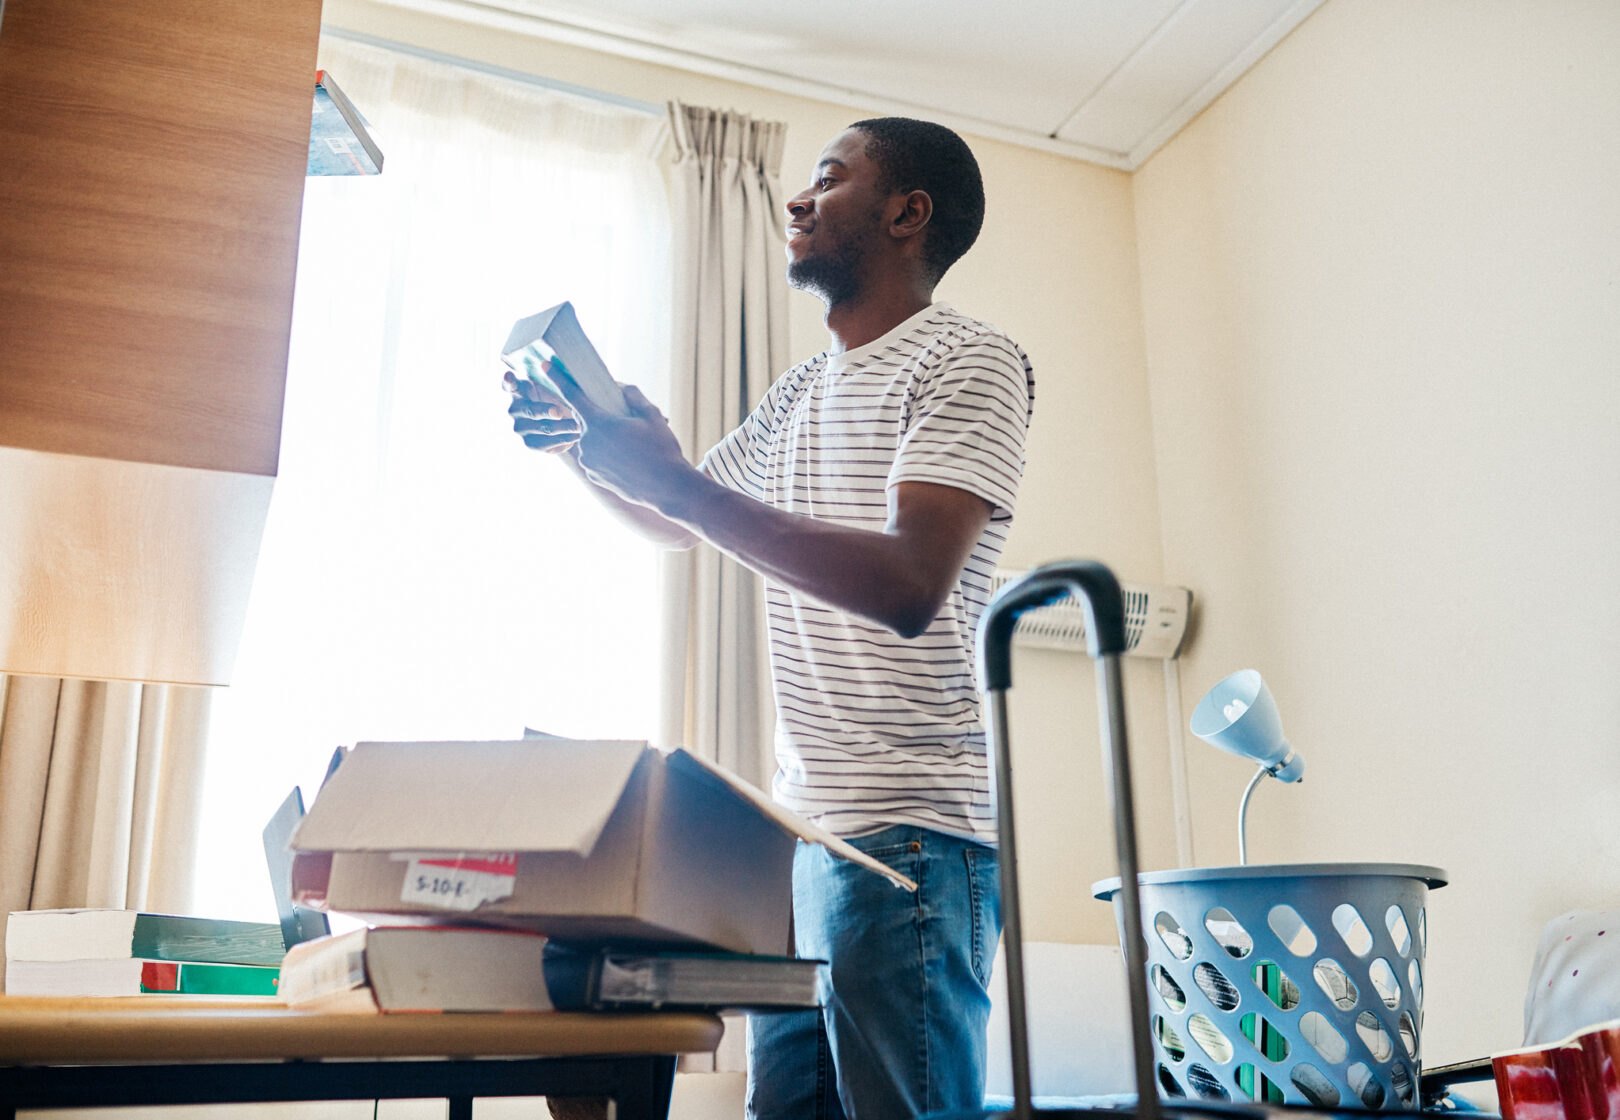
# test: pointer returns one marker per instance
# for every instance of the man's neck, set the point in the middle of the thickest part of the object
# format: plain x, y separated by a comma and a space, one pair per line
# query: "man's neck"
855, 322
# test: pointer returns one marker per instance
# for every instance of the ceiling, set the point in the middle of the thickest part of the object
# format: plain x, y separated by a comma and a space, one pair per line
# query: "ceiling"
1108, 81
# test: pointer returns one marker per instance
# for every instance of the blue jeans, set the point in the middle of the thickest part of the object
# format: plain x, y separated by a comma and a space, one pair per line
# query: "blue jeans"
903, 1032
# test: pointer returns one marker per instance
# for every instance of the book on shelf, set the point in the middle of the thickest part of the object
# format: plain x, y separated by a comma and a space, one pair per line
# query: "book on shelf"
132, 976
340, 141
555, 335
105, 934
466, 968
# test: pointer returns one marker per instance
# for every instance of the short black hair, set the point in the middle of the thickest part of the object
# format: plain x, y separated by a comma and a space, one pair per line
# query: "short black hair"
920, 155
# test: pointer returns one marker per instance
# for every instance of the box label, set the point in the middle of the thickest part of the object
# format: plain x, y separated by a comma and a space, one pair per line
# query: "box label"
458, 882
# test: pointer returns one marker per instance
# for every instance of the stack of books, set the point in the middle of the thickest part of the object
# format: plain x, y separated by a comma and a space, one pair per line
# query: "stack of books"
544, 874
103, 952
470, 968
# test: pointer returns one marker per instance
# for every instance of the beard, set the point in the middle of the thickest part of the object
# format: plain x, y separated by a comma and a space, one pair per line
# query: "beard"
838, 272
834, 277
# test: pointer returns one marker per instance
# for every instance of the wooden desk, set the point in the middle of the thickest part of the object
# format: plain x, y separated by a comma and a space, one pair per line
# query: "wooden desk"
60, 1053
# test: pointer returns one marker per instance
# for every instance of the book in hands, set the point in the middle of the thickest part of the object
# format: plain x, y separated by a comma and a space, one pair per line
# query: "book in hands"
555, 336
473, 969
104, 934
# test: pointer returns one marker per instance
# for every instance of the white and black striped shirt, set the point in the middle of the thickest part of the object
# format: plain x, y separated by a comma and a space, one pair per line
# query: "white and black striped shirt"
873, 729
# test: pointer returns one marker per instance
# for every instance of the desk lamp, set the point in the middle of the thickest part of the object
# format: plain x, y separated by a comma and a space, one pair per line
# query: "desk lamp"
1239, 716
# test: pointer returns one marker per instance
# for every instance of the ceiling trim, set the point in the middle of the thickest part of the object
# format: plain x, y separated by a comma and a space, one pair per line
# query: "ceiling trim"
1279, 28
1112, 78
500, 18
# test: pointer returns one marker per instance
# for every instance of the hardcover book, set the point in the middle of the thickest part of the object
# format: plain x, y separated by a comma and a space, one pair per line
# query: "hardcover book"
609, 979
426, 968
466, 968
135, 977
555, 335
102, 934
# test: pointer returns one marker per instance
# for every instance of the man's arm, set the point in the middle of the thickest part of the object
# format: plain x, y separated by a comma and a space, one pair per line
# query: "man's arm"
898, 577
649, 523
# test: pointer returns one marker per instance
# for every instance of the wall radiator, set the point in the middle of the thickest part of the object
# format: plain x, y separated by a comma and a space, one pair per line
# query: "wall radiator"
1155, 620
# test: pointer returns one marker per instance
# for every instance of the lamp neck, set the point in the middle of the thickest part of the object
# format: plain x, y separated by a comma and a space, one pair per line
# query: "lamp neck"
1243, 813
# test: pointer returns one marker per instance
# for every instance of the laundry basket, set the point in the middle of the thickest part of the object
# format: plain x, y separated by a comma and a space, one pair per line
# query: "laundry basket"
1287, 983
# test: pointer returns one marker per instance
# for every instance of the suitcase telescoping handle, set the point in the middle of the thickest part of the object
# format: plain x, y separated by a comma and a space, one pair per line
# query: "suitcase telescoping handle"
1094, 587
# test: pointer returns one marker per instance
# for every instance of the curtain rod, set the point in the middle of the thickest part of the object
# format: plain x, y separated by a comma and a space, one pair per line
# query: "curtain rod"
650, 107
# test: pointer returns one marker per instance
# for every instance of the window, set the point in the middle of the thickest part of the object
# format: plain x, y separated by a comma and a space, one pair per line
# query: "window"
423, 575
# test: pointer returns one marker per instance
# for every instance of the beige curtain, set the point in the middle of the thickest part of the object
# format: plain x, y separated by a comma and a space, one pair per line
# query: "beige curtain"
730, 316
100, 791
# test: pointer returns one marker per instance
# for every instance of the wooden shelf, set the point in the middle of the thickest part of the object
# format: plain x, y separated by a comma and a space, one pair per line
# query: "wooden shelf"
152, 161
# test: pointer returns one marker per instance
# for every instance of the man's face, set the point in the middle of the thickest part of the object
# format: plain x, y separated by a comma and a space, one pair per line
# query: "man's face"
836, 223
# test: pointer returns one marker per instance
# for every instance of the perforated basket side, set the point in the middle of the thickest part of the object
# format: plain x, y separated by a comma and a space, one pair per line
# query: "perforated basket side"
1297, 989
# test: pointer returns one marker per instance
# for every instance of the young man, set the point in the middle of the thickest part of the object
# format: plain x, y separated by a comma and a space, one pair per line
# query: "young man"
872, 489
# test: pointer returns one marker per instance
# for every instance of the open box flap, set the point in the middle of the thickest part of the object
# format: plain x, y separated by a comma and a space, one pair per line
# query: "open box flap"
685, 762
470, 796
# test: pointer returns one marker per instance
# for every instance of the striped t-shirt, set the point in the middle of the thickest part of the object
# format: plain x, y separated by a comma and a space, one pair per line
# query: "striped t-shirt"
873, 729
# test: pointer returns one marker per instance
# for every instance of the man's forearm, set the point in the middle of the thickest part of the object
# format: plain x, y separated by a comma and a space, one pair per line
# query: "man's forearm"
897, 577
647, 522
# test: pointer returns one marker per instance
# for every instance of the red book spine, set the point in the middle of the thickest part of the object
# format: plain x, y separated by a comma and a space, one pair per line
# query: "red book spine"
160, 976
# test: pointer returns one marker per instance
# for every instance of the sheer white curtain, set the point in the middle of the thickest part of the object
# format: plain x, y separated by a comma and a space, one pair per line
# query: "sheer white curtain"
423, 574
730, 299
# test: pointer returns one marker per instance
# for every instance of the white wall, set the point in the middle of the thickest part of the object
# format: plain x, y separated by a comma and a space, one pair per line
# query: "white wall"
1381, 287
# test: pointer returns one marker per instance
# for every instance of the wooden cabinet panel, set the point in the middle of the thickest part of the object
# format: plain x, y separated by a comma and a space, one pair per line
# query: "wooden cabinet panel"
152, 159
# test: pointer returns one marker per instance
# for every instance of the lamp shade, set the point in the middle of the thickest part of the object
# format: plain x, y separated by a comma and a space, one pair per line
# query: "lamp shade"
1239, 716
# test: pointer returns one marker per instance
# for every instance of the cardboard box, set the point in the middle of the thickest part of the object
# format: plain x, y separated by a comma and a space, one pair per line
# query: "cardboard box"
575, 839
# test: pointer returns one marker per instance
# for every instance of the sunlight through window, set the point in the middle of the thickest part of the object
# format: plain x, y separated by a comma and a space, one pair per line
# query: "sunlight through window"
423, 575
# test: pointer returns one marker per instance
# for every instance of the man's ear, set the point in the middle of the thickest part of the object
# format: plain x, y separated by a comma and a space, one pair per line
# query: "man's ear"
915, 210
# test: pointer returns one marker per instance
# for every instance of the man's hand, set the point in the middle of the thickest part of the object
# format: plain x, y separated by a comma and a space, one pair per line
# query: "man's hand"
635, 456
547, 422
542, 418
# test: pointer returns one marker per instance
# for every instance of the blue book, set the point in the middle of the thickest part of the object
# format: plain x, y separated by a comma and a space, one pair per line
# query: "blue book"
340, 140
555, 335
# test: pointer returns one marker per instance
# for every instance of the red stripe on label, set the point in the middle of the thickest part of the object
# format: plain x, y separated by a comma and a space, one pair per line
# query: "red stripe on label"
503, 864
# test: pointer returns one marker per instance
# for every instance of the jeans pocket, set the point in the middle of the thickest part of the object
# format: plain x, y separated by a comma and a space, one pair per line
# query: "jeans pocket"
984, 901
899, 848
890, 854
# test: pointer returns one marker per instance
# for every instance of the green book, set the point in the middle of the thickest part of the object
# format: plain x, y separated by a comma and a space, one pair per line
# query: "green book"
134, 977
77, 935
209, 979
